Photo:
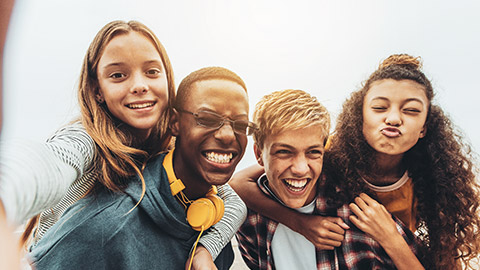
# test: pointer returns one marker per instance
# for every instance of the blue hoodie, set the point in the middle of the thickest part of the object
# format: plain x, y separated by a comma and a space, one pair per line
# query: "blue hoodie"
98, 232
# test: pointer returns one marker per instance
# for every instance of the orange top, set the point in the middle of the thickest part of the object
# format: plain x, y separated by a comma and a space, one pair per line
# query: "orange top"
399, 200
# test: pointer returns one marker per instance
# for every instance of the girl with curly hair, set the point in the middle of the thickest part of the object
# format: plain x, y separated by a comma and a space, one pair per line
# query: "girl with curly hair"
395, 144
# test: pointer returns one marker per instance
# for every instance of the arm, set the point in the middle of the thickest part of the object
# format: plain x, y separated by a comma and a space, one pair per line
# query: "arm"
373, 219
323, 232
9, 249
35, 176
220, 234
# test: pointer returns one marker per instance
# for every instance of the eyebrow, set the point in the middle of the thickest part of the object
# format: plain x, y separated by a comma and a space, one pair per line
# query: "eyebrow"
407, 100
291, 147
114, 64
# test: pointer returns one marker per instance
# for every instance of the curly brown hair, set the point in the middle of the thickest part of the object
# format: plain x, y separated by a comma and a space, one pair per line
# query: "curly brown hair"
441, 165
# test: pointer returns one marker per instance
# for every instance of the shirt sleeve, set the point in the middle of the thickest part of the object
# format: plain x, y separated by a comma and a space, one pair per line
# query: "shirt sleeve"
248, 244
220, 234
35, 176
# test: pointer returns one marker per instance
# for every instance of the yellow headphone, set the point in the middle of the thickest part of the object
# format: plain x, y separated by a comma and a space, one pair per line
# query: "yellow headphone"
202, 213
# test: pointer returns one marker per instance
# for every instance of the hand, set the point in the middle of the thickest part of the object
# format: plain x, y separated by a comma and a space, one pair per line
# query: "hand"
9, 248
202, 260
324, 232
373, 218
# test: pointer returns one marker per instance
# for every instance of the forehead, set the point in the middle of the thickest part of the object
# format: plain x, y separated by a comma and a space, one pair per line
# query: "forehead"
222, 96
312, 136
131, 44
393, 90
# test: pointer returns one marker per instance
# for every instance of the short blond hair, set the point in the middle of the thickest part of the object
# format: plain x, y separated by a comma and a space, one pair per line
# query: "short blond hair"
288, 110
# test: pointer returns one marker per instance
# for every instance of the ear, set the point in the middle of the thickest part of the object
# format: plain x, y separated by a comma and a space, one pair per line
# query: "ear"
423, 132
258, 154
174, 123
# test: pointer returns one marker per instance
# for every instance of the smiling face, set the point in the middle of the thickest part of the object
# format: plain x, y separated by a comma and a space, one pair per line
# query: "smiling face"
133, 83
293, 165
205, 156
394, 115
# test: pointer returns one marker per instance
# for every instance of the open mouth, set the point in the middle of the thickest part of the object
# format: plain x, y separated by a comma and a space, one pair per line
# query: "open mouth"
296, 185
140, 105
220, 158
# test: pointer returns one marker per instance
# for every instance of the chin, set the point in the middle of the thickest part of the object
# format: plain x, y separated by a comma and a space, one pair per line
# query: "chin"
217, 179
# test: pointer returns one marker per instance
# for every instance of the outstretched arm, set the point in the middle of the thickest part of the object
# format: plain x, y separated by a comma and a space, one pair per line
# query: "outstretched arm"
35, 176
323, 232
373, 218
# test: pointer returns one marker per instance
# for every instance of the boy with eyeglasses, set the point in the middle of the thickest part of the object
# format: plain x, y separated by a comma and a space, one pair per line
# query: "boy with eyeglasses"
210, 123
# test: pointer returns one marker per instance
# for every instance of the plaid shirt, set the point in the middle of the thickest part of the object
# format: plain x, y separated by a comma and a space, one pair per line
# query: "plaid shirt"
358, 251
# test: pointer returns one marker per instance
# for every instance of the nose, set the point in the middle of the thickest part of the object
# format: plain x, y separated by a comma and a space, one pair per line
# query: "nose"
225, 133
139, 84
300, 166
393, 118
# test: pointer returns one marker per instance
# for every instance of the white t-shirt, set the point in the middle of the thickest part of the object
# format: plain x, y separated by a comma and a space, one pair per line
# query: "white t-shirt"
291, 250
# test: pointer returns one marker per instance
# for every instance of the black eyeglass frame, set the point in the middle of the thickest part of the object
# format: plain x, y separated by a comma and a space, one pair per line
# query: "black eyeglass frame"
250, 126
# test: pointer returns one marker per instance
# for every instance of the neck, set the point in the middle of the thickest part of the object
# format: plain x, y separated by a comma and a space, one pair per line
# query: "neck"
386, 170
195, 185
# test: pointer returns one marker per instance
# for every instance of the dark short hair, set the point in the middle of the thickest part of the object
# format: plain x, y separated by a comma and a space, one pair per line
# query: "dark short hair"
203, 74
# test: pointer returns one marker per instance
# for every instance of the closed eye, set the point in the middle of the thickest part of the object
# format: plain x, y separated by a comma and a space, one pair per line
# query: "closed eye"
412, 110
315, 153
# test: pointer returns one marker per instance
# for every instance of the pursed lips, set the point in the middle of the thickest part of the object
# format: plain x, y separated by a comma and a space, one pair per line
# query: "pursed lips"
391, 132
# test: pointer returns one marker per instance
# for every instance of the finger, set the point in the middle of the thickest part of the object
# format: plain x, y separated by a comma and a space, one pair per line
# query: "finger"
357, 211
367, 199
338, 221
324, 247
357, 222
331, 225
328, 243
333, 236
361, 203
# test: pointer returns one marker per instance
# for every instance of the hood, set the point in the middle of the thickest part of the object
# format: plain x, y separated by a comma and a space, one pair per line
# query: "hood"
158, 203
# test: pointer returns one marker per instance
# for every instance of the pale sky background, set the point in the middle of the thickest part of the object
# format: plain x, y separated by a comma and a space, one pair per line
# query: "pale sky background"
327, 48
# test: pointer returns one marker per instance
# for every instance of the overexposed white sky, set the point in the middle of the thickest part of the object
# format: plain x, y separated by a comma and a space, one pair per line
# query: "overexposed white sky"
327, 48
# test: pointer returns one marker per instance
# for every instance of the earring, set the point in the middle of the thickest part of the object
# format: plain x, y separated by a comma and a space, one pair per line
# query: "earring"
99, 98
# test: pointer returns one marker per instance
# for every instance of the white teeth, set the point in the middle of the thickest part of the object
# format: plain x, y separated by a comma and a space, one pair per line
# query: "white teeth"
296, 185
140, 106
219, 158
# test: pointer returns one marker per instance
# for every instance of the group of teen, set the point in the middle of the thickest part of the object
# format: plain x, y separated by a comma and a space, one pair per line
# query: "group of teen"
142, 179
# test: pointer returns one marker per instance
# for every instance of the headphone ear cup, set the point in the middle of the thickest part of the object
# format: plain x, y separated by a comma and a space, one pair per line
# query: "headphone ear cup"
201, 213
219, 207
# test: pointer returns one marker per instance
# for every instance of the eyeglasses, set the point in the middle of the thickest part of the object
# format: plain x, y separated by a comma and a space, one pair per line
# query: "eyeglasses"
215, 121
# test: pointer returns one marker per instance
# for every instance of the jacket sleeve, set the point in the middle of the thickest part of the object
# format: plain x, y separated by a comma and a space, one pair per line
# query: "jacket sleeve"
35, 176
220, 234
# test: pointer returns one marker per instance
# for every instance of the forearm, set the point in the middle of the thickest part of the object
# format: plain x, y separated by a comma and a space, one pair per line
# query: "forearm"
220, 234
32, 179
35, 176
400, 253
244, 183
